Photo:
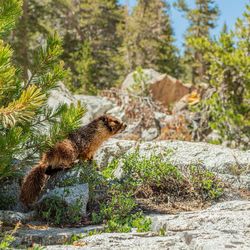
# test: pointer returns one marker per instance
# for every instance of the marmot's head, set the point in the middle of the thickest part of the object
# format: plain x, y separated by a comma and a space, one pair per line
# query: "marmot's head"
113, 124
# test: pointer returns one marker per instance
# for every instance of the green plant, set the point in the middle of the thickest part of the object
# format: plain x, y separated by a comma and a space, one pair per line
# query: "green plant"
140, 83
115, 212
93, 232
7, 238
6, 241
120, 213
37, 247
205, 183
137, 220
55, 211
141, 223
89, 173
154, 175
143, 177
73, 238
109, 170
162, 231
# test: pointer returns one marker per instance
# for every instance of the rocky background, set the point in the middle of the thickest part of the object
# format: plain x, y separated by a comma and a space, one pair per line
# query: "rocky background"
146, 112
152, 128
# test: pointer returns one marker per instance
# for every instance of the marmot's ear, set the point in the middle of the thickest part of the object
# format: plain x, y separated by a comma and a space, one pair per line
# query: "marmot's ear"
105, 121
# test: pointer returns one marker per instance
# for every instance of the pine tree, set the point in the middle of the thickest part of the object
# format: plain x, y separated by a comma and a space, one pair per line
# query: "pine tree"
148, 38
23, 109
84, 65
228, 63
90, 40
224, 28
28, 33
201, 20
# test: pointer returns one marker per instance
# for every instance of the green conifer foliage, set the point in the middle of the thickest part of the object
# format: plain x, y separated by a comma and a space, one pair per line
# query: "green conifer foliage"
148, 38
89, 30
23, 110
201, 20
84, 67
228, 72
29, 32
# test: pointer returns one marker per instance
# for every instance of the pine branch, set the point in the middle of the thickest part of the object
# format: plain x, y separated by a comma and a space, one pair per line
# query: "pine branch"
9, 11
7, 71
70, 120
24, 108
47, 69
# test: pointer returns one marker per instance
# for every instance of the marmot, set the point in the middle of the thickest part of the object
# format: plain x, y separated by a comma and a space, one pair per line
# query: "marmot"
80, 144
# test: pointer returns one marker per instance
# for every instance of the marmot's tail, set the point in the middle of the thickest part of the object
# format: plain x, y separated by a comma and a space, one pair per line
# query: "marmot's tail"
33, 184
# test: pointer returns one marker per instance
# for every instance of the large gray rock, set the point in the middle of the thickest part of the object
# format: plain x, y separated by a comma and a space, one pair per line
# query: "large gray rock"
66, 191
224, 225
149, 134
9, 194
8, 217
95, 105
221, 226
215, 158
75, 197
231, 164
112, 149
124, 241
60, 95
117, 112
51, 235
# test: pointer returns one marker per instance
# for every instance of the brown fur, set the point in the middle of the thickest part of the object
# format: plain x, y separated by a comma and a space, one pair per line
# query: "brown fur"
81, 144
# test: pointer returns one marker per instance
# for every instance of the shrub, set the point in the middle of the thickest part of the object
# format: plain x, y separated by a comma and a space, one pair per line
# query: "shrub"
155, 176
56, 212
119, 214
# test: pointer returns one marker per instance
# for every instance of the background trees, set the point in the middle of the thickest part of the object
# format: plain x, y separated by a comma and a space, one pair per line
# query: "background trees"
88, 32
148, 38
201, 20
90, 41
228, 64
102, 40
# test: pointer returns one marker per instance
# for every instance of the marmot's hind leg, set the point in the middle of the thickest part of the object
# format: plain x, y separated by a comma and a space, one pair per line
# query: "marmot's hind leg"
61, 157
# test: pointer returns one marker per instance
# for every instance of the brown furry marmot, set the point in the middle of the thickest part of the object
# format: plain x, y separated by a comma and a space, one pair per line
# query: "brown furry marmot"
81, 144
